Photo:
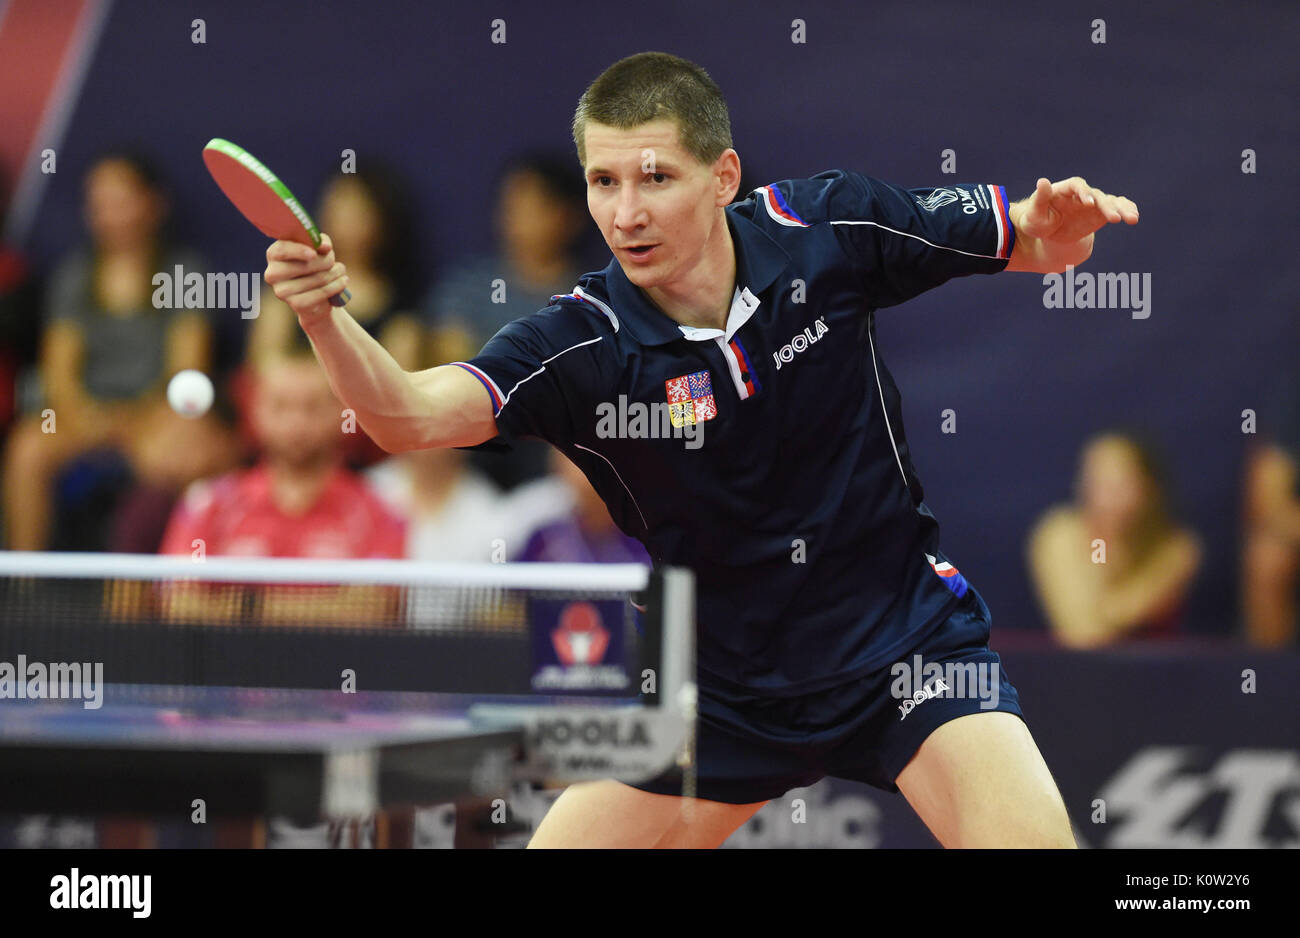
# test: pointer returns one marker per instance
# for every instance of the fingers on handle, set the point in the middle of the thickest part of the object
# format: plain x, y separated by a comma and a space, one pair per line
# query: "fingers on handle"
303, 303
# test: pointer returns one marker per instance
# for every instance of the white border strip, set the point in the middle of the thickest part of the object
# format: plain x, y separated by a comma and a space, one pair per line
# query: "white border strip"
611, 577
58, 111
997, 216
941, 247
884, 409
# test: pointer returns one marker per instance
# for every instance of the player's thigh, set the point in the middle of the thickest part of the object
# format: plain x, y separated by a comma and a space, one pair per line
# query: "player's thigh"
705, 825
610, 814
980, 781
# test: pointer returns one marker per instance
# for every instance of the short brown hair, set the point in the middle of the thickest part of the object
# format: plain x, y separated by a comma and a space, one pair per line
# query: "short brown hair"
653, 85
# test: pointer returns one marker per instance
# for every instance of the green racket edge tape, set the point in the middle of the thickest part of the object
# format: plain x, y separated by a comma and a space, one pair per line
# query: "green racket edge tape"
246, 159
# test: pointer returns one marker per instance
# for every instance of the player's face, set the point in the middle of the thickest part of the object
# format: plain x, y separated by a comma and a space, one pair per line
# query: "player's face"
655, 204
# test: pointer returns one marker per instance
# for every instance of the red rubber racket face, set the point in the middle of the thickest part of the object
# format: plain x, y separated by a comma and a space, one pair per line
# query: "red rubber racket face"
258, 194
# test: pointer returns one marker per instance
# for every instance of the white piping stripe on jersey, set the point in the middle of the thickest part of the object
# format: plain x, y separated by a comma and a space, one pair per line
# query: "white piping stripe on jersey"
505, 400
997, 216
621, 482
941, 247
884, 410
581, 294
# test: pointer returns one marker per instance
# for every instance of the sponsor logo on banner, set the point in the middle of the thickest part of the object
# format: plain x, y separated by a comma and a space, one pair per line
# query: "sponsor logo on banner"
1179, 796
578, 645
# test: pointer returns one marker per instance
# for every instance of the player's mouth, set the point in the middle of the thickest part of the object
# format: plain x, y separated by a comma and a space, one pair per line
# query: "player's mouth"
640, 253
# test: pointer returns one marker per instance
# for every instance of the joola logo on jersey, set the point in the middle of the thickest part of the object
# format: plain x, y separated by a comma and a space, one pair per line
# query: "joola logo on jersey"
786, 353
921, 696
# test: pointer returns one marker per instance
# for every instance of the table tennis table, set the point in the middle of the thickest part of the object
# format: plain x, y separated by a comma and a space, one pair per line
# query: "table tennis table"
306, 753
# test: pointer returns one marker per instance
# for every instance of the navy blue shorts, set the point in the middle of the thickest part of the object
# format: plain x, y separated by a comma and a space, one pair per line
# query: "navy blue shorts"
758, 748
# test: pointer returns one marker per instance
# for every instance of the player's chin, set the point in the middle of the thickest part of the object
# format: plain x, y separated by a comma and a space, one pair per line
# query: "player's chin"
643, 275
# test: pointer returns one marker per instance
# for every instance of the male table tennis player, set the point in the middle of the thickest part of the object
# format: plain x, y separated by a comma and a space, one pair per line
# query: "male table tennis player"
788, 488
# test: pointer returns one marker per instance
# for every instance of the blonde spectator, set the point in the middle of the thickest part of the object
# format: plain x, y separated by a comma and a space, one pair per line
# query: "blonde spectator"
1271, 537
1114, 565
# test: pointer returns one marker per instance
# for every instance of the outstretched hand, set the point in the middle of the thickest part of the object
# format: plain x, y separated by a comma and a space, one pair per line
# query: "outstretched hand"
1071, 209
1055, 225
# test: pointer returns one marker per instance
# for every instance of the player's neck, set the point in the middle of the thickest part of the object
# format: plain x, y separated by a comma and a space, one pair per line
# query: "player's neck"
702, 299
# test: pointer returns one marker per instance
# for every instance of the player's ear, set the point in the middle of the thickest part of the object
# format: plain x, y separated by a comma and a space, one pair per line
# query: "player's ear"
726, 173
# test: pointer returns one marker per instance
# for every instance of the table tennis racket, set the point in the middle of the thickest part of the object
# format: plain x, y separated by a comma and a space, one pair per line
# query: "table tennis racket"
262, 198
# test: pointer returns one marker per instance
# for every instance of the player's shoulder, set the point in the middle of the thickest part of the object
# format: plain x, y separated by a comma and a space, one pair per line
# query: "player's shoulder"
582, 317
804, 202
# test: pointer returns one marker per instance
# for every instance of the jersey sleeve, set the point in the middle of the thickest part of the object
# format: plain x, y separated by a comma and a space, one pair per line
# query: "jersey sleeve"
531, 370
903, 242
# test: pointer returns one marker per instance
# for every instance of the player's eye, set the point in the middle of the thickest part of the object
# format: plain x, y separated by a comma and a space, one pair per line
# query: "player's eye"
601, 181
659, 177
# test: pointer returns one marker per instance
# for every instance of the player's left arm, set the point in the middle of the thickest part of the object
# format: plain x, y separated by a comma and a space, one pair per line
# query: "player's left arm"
1055, 225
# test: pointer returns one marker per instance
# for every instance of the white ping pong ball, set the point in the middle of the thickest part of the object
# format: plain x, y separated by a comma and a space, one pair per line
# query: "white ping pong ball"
190, 393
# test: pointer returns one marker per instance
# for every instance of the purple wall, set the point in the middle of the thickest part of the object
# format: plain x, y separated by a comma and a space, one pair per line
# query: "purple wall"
1161, 112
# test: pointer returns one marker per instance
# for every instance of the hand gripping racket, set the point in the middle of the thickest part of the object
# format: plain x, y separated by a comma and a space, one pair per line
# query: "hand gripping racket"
262, 198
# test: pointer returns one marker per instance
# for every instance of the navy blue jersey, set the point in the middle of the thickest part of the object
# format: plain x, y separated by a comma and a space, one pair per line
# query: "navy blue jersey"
768, 457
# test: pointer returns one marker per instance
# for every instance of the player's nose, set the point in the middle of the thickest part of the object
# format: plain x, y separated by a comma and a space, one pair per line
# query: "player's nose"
630, 213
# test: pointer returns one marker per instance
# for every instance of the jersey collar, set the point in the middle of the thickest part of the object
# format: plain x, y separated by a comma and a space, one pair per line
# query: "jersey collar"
759, 261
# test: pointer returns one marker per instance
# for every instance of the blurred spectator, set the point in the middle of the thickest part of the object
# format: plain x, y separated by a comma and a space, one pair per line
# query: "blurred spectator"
1134, 583
456, 514
587, 533
540, 216
106, 351
453, 510
299, 500
368, 216
182, 452
1271, 539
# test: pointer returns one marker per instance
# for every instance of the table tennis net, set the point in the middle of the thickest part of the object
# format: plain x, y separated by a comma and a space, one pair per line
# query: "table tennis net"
376, 626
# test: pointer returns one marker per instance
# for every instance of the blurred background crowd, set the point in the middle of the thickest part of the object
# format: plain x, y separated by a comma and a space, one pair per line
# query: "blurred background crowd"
95, 460
1112, 478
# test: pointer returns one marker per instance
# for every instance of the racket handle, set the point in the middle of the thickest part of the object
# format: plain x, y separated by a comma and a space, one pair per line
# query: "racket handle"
341, 299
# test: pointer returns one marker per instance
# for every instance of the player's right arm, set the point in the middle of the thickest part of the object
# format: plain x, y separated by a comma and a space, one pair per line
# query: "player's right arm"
401, 410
